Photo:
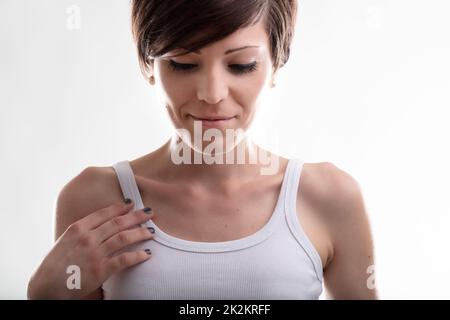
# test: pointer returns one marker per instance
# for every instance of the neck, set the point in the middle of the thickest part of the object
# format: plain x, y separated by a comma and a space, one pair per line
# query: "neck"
244, 161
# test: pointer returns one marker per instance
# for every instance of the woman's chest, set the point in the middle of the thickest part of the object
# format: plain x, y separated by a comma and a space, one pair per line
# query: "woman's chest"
211, 217
211, 220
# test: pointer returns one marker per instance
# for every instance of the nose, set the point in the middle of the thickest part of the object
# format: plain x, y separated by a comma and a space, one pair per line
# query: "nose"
212, 87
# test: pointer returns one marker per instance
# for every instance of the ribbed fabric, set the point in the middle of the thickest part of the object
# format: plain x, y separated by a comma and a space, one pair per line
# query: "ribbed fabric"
276, 262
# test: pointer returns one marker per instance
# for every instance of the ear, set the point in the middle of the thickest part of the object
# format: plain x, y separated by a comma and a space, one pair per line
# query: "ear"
273, 78
151, 70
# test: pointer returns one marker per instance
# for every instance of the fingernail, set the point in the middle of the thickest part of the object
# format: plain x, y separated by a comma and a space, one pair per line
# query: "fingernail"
148, 251
147, 210
127, 200
151, 229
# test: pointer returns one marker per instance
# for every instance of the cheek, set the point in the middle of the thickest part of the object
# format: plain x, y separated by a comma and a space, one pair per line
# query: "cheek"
170, 87
250, 89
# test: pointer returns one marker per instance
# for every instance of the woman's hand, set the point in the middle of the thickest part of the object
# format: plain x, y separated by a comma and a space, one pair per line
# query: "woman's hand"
90, 244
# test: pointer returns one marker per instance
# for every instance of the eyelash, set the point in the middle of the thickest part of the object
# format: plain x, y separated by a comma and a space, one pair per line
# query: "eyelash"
237, 68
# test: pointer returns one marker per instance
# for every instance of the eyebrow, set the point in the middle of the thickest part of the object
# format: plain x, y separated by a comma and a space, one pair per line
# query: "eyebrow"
226, 52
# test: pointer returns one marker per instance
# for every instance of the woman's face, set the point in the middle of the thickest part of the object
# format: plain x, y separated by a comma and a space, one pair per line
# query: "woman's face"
220, 81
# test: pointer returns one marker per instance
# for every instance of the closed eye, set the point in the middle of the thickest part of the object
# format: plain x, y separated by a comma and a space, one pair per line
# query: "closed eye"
244, 68
235, 68
181, 66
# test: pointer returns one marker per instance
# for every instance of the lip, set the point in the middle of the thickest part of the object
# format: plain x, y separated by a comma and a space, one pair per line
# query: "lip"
213, 121
212, 118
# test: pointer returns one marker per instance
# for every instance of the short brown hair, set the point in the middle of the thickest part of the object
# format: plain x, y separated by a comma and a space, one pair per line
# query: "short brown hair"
160, 26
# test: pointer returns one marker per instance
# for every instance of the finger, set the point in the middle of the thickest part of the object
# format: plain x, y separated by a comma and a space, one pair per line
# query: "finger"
126, 260
121, 223
124, 239
99, 217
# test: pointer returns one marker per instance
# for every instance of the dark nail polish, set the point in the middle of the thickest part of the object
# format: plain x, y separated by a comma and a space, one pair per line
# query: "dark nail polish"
148, 251
147, 210
151, 229
127, 200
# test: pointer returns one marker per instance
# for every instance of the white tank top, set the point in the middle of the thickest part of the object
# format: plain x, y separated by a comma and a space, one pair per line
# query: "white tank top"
276, 262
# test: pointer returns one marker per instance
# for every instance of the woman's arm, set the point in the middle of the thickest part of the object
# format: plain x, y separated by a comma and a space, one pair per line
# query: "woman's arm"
350, 273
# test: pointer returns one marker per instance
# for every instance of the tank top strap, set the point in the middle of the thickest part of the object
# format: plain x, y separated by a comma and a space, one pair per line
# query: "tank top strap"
292, 216
292, 184
128, 183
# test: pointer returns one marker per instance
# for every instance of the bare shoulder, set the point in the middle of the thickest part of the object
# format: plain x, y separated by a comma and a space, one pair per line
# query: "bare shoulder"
335, 195
330, 186
92, 189
323, 191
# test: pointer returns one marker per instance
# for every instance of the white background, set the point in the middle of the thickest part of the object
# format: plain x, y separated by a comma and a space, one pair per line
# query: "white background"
367, 88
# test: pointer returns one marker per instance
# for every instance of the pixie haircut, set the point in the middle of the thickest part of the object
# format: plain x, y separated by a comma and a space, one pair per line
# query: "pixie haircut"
159, 26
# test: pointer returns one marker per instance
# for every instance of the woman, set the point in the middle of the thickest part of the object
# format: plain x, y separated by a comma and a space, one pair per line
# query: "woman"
222, 229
